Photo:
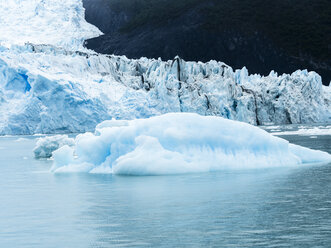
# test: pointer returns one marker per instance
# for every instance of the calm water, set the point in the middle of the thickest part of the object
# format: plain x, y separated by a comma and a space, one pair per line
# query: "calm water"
288, 207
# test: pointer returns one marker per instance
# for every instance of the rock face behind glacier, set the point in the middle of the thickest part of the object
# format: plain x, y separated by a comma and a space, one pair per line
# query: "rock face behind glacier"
45, 89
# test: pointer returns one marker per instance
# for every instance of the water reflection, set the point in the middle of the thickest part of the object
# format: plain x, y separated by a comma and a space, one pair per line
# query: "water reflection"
261, 209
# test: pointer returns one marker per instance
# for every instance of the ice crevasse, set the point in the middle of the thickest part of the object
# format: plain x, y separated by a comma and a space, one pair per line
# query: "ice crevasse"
177, 143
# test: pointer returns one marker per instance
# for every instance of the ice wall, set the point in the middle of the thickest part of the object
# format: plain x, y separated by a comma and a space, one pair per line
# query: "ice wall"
45, 89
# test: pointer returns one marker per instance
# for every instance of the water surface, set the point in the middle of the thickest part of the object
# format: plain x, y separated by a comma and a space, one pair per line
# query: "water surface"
279, 207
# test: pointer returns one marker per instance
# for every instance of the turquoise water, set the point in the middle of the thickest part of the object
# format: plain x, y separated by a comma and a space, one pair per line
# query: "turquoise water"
280, 207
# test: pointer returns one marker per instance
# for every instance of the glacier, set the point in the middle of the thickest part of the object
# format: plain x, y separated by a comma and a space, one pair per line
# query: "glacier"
54, 22
178, 143
51, 84
59, 91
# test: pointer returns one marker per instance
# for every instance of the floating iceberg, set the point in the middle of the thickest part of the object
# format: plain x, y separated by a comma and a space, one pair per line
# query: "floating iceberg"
179, 143
47, 145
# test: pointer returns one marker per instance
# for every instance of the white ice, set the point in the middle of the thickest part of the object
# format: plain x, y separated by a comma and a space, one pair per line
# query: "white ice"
38, 82
179, 143
47, 145
307, 131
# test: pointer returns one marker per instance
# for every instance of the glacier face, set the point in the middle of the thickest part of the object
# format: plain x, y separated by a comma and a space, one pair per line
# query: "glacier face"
58, 91
179, 143
50, 84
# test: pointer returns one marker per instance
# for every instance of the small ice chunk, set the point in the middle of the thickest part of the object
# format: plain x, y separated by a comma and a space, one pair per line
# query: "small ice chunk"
307, 131
47, 145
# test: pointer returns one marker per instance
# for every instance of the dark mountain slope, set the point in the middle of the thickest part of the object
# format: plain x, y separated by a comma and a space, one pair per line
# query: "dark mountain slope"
263, 35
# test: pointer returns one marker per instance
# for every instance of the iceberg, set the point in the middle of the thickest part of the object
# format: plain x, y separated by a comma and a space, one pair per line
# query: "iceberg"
178, 143
47, 145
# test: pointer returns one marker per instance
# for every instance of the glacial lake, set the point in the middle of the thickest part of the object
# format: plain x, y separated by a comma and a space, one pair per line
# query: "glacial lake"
278, 207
